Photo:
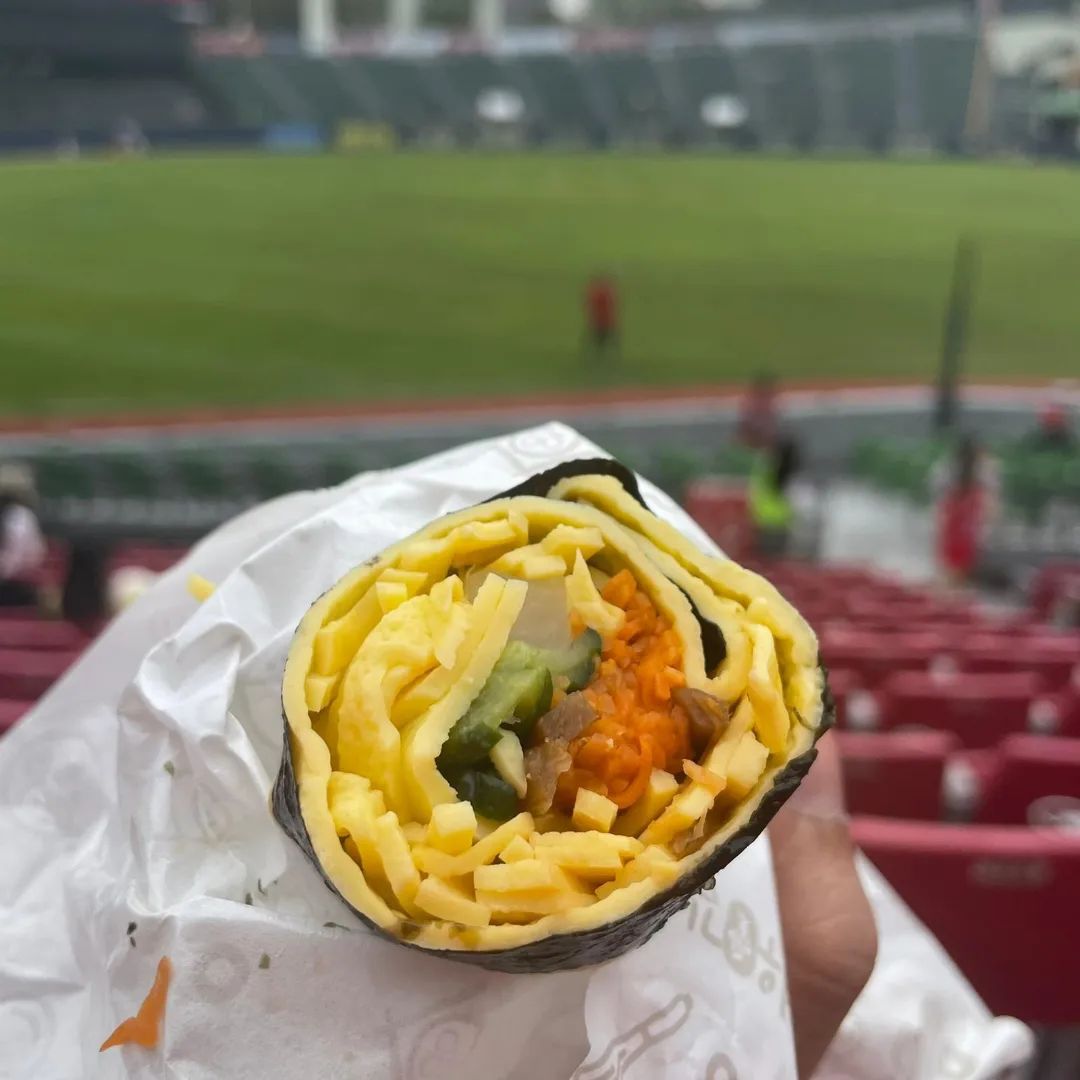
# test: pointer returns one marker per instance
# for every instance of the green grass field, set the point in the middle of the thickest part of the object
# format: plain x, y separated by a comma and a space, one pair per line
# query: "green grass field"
255, 280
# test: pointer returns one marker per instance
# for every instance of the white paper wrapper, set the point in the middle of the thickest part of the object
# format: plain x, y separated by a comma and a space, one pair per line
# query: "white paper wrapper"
917, 1016
137, 793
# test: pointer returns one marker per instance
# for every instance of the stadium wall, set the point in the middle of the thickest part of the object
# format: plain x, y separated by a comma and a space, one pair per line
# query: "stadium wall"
180, 478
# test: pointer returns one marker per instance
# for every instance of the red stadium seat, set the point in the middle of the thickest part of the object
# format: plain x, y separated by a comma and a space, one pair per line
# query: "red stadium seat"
1061, 644
953, 615
980, 709
1024, 770
895, 774
20, 614
908, 626
40, 634
1002, 901
25, 675
1064, 714
873, 657
899, 610
852, 578
11, 711
1053, 582
921, 643
1056, 667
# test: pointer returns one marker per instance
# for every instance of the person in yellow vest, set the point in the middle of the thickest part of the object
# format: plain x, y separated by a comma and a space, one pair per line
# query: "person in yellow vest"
770, 506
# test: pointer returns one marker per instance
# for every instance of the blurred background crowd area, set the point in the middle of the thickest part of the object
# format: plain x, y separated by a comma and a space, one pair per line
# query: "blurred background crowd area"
874, 76
808, 267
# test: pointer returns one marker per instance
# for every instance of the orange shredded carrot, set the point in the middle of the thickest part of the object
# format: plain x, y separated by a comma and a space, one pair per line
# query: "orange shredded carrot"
638, 725
620, 589
144, 1028
637, 785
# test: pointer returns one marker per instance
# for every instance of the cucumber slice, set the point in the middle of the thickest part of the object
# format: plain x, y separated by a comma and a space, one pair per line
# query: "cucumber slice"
576, 664
491, 796
532, 705
509, 692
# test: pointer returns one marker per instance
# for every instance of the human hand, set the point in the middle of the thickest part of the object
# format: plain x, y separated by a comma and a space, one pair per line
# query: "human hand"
830, 940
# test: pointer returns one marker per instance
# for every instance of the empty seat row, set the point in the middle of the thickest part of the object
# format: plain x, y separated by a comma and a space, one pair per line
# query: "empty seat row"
1055, 584
980, 709
39, 634
26, 674
1000, 899
876, 657
974, 628
875, 606
926, 775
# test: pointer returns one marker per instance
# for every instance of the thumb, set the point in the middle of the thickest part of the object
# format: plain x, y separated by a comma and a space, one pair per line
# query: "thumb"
830, 940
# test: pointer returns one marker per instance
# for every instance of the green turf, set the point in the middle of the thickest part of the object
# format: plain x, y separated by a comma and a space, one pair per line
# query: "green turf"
251, 280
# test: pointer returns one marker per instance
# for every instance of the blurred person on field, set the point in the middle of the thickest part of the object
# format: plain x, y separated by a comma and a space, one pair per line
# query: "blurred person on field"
129, 140
602, 316
966, 486
772, 510
1054, 433
22, 547
758, 414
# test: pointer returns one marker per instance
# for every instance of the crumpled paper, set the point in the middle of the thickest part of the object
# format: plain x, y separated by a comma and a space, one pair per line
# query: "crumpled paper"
918, 1016
135, 823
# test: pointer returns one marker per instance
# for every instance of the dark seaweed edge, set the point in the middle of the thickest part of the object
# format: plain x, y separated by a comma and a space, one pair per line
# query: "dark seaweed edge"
713, 645
581, 948
541, 483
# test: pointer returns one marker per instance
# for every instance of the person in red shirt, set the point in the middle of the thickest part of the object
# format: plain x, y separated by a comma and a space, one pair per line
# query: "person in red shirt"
1054, 432
962, 512
602, 315
758, 421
